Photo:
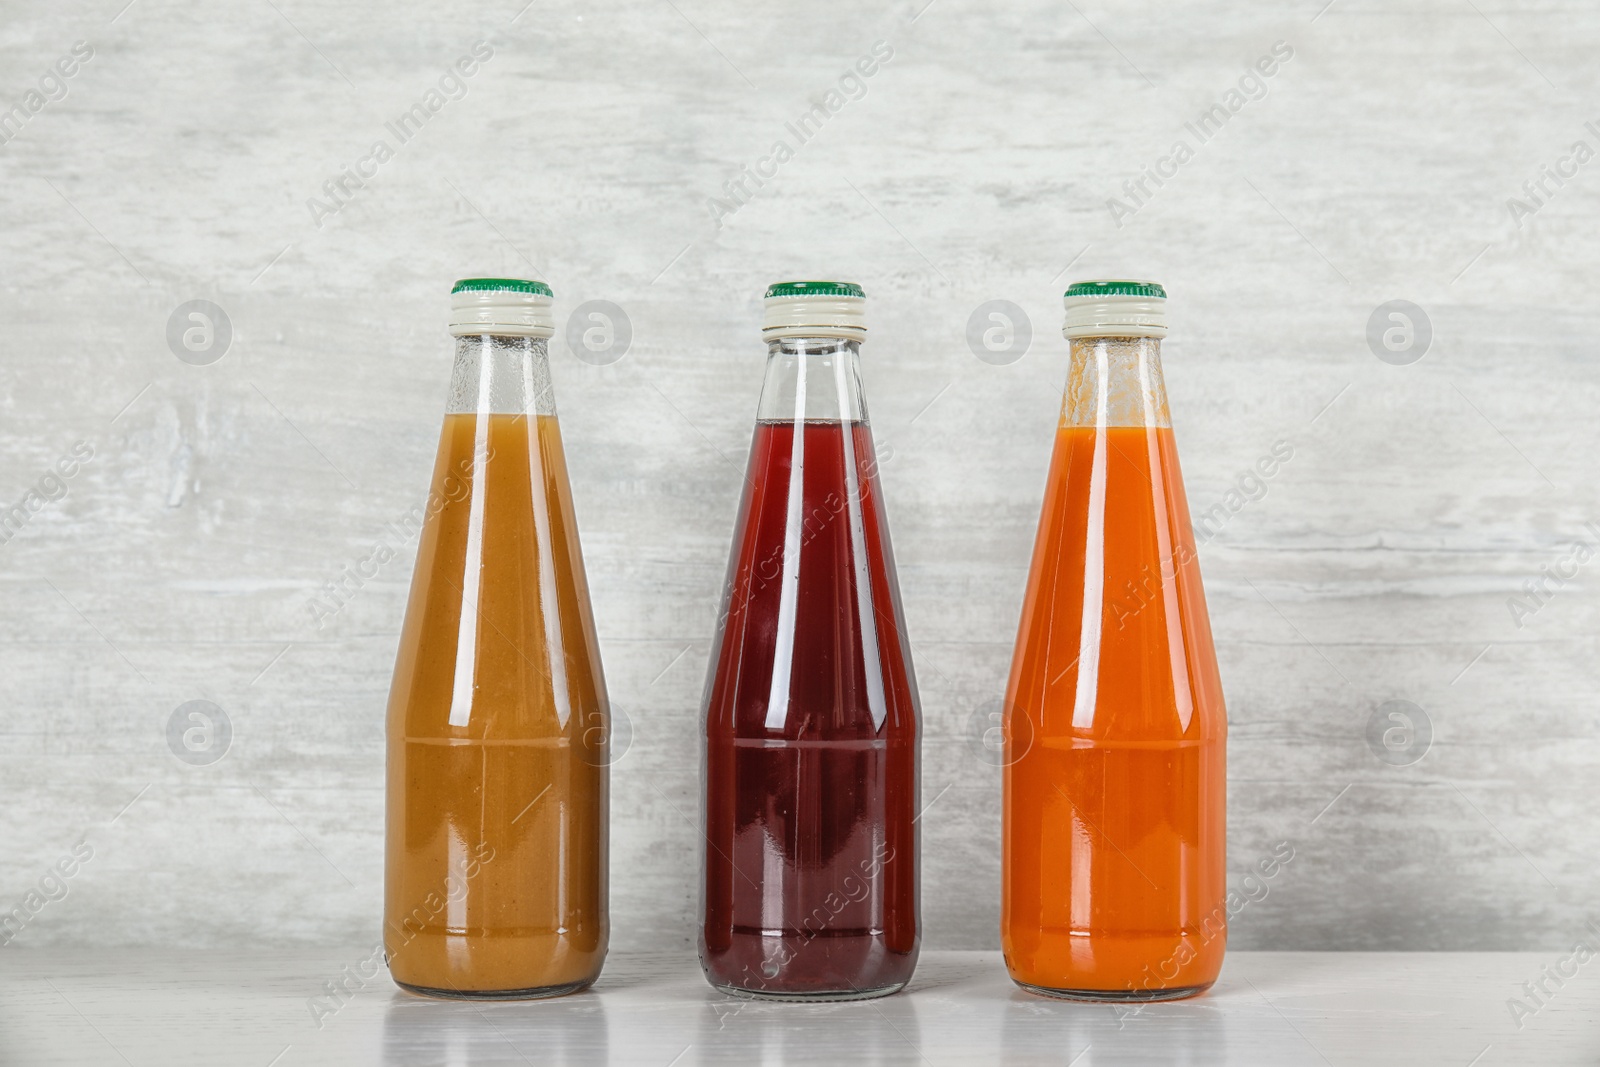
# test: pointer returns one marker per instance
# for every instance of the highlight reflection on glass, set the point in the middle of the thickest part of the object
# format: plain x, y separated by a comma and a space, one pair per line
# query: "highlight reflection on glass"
1114, 869
496, 857
811, 721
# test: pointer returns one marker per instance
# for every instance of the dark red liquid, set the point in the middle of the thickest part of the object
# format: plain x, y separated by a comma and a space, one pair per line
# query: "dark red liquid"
811, 857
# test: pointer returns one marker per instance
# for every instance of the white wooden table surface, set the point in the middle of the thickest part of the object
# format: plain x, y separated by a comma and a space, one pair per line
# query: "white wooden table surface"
258, 1009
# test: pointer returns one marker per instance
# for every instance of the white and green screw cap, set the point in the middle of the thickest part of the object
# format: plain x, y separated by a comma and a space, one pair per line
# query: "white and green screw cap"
509, 307
1115, 308
814, 309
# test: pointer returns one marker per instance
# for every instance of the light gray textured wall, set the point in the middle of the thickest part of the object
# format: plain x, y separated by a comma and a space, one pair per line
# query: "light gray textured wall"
978, 165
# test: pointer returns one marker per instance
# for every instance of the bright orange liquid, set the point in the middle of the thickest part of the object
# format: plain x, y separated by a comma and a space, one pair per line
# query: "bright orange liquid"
1114, 861
496, 859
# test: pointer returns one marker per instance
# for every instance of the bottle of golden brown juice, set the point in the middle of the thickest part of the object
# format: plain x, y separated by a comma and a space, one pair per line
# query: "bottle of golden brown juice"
498, 720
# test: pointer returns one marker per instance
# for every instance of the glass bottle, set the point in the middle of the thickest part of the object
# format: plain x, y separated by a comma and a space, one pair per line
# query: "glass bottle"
811, 717
1114, 867
496, 855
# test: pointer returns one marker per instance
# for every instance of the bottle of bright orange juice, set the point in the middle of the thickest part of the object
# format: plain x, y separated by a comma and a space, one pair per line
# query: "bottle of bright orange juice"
1114, 865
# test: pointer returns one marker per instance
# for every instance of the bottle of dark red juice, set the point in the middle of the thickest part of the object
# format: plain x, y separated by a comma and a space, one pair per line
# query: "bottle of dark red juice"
811, 715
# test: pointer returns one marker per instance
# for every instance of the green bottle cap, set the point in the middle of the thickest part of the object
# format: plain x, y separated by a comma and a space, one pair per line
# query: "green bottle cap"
509, 307
501, 285
1115, 307
815, 289
1148, 290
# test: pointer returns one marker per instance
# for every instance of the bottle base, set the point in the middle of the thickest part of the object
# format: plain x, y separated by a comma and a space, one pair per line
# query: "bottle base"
1112, 996
825, 996
836, 966
535, 993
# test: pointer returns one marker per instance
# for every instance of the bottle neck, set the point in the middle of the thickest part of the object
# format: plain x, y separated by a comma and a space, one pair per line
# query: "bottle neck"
501, 375
812, 379
1115, 381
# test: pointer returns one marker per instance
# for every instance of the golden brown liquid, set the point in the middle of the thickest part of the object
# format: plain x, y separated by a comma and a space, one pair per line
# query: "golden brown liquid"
496, 861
